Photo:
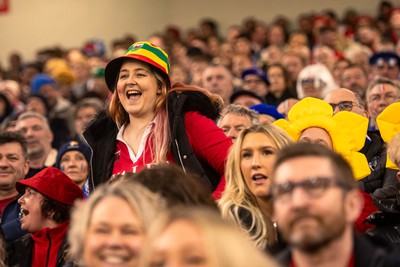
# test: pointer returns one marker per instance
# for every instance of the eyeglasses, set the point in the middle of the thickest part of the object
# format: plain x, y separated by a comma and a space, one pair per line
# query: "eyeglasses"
310, 81
343, 105
314, 187
388, 97
256, 81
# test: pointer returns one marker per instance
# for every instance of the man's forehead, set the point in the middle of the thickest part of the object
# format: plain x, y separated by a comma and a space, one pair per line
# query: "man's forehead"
352, 71
30, 121
383, 88
341, 95
235, 119
15, 145
303, 167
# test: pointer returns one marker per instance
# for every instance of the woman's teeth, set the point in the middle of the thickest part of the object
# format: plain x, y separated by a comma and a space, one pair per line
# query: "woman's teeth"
133, 94
23, 212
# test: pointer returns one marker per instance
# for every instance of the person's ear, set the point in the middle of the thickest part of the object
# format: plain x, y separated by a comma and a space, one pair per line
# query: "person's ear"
25, 167
365, 113
353, 204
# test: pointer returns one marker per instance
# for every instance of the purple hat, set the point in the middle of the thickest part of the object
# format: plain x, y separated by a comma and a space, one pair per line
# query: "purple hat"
70, 146
386, 56
256, 71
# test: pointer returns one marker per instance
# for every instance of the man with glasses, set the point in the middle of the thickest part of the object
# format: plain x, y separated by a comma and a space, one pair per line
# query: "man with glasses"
381, 92
382, 182
315, 204
344, 99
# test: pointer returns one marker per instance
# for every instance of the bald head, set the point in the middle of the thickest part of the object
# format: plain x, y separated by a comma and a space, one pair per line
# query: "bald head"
345, 99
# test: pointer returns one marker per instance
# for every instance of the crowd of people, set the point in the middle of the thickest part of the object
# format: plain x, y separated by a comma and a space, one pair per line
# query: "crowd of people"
269, 145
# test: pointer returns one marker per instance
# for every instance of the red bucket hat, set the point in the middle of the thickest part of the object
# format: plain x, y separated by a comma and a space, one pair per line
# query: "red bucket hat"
142, 51
54, 184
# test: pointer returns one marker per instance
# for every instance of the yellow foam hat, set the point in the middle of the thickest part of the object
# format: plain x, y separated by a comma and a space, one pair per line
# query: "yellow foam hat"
347, 130
389, 125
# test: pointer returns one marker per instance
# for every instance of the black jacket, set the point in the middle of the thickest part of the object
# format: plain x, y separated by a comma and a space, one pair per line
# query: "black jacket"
102, 132
382, 182
101, 136
367, 253
20, 252
270, 99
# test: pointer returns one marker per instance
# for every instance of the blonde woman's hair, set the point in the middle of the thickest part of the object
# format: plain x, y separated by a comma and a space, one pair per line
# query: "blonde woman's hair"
224, 244
145, 203
237, 197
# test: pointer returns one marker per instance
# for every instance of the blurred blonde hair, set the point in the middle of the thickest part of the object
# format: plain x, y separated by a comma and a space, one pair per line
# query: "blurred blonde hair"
224, 244
145, 203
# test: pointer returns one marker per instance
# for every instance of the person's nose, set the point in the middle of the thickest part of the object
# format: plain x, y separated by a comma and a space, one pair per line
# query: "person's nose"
115, 239
28, 132
232, 133
3, 162
70, 163
256, 163
336, 110
383, 101
299, 198
21, 200
131, 80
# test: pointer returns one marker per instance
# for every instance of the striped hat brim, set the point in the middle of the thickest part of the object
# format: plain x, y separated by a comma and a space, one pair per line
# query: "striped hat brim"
141, 51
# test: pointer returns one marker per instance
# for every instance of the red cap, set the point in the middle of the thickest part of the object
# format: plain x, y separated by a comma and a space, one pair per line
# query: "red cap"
54, 184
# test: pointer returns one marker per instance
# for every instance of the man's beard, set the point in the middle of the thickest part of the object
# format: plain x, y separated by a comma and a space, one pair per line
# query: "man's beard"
311, 241
37, 153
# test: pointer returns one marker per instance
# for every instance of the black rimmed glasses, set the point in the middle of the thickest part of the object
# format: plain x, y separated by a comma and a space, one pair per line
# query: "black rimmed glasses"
343, 105
314, 187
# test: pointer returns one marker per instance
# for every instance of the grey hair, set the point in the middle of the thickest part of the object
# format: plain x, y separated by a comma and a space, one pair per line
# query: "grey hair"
33, 114
240, 111
382, 80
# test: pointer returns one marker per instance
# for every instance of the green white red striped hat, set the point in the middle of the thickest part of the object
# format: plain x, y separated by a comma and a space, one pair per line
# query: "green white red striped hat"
142, 51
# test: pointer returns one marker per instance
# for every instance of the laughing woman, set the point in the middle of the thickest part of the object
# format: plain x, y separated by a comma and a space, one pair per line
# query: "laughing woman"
140, 129
109, 228
245, 200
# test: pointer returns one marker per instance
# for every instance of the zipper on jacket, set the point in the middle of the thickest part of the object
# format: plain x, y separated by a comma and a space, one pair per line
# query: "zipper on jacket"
91, 165
179, 155
48, 250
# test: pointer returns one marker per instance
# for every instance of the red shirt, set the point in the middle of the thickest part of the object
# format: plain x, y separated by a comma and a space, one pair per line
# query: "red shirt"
208, 142
47, 243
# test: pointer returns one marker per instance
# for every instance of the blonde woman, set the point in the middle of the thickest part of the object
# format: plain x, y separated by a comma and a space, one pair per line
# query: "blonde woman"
199, 237
245, 200
111, 225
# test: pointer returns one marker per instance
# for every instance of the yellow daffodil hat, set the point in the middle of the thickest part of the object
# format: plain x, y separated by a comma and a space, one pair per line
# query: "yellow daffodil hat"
347, 130
389, 125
